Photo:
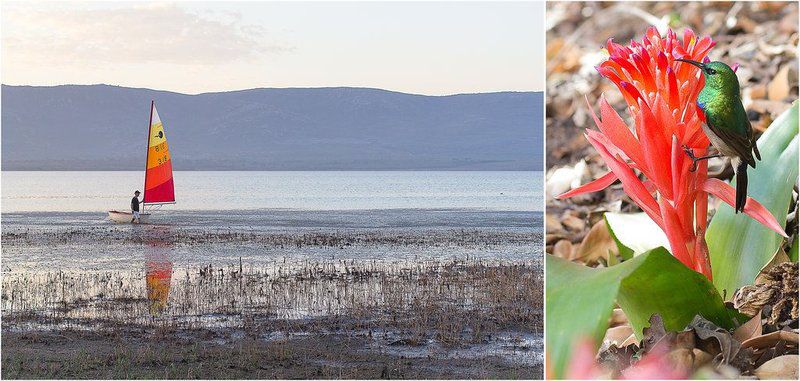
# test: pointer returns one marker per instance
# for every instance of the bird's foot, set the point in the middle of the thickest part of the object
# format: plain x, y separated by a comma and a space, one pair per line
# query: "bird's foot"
690, 153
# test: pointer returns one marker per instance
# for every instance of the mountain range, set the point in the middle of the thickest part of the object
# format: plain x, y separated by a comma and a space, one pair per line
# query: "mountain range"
103, 127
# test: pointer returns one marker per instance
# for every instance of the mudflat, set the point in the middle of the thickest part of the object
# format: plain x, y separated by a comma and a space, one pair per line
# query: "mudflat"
274, 294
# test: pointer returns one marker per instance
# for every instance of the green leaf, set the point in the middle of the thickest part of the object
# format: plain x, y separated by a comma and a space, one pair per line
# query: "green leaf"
793, 251
580, 299
738, 245
635, 233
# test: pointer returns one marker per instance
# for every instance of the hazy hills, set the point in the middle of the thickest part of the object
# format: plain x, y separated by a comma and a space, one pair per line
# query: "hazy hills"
102, 127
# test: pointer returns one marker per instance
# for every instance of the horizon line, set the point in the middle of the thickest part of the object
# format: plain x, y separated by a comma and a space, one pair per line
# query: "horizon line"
282, 88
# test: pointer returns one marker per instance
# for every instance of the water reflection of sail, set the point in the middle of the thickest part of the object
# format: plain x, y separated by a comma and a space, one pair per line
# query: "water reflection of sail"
159, 273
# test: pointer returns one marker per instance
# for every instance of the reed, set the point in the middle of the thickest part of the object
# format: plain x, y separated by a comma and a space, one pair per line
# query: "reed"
452, 301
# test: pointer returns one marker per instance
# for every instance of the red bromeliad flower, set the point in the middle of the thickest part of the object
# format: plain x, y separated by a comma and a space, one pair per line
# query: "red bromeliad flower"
661, 95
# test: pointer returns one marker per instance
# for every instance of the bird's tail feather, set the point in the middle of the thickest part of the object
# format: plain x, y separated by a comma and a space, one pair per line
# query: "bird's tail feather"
741, 186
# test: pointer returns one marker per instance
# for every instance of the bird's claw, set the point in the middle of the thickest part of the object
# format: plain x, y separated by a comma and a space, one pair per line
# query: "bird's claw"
690, 153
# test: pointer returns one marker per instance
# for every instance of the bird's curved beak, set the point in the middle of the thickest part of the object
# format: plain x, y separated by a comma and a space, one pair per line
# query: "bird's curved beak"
695, 63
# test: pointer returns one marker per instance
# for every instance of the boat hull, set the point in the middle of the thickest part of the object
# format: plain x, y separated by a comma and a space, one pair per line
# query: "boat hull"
126, 217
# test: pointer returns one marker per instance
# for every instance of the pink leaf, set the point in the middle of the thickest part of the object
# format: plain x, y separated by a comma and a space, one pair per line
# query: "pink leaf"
610, 146
752, 208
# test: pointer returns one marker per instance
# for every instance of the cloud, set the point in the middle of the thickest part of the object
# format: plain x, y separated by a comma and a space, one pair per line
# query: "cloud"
153, 33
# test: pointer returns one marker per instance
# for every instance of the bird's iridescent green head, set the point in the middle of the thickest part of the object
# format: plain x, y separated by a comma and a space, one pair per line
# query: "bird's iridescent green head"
719, 76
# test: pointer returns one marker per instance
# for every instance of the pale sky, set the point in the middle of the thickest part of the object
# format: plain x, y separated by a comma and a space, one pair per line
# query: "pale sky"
195, 47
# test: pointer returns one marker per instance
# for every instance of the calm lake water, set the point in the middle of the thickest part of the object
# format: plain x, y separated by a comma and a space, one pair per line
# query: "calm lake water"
309, 190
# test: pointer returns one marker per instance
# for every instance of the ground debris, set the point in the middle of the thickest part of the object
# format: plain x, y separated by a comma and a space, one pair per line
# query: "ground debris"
701, 347
775, 292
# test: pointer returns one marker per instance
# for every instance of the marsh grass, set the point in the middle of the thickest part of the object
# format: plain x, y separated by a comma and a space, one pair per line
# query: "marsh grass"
450, 301
428, 295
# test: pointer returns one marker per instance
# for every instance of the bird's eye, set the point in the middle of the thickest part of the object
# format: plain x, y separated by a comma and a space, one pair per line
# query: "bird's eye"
711, 71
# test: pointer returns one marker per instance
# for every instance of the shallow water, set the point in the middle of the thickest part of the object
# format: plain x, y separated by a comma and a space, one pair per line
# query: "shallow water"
68, 241
309, 190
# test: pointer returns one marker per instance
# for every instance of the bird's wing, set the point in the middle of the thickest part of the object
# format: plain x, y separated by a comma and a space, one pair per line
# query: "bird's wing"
737, 137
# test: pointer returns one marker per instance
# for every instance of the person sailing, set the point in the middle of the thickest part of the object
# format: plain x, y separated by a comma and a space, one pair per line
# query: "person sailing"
135, 207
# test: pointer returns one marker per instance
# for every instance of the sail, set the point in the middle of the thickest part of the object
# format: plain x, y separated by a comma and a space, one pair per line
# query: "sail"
158, 186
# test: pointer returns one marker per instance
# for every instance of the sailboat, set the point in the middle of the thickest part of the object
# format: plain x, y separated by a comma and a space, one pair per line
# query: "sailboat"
159, 188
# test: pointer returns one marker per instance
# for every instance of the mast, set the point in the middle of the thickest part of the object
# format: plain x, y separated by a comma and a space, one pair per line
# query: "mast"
147, 156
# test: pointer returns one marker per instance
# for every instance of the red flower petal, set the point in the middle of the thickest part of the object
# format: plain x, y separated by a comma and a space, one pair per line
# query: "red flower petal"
688, 39
701, 198
593, 186
647, 77
674, 231
676, 164
702, 47
617, 131
752, 207
701, 257
632, 93
656, 148
674, 95
608, 73
631, 184
632, 71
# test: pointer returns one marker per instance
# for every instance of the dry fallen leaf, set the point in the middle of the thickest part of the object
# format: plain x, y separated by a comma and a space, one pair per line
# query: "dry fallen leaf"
573, 223
750, 299
617, 335
701, 358
779, 88
710, 335
563, 249
596, 244
630, 340
758, 91
552, 224
775, 287
617, 318
780, 368
681, 358
749, 330
770, 339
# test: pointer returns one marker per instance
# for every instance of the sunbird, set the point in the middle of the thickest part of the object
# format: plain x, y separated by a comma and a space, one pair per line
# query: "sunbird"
727, 126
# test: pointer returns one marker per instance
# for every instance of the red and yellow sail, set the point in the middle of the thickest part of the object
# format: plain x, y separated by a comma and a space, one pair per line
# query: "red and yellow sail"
158, 185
